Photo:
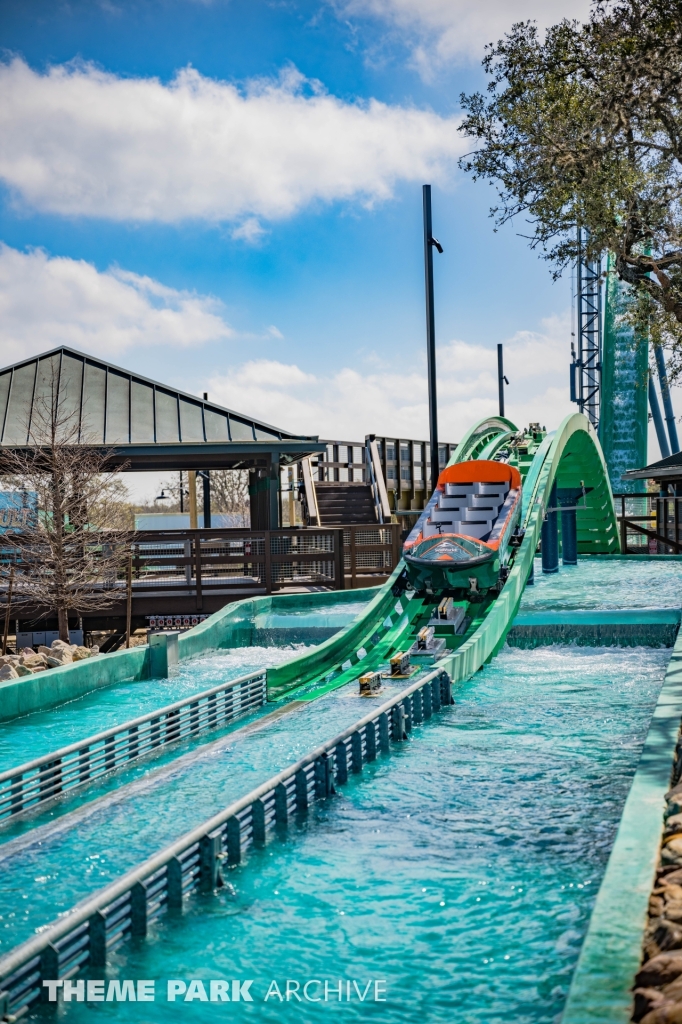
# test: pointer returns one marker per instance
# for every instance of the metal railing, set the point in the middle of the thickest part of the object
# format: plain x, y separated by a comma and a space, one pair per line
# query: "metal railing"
47, 777
370, 551
198, 561
126, 908
649, 523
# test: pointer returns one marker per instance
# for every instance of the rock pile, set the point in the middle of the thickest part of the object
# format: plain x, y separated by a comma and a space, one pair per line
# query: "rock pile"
28, 662
658, 985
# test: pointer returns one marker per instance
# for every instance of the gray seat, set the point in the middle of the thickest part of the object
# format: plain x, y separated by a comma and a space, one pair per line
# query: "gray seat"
444, 515
486, 501
480, 530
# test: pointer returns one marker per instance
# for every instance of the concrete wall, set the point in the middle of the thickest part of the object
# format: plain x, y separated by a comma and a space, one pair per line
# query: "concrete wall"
230, 627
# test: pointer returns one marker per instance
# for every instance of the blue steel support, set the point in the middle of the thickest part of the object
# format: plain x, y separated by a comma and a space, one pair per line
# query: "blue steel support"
667, 404
658, 420
569, 536
550, 537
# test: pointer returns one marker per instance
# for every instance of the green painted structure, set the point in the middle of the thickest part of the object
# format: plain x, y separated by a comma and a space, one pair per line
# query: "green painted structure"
626, 627
624, 395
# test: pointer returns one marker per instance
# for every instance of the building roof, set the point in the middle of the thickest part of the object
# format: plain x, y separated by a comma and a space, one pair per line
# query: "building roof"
665, 469
145, 423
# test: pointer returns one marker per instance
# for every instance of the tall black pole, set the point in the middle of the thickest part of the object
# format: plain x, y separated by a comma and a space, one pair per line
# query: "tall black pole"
430, 337
500, 378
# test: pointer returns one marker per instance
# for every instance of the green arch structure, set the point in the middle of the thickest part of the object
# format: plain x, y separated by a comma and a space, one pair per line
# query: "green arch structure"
571, 457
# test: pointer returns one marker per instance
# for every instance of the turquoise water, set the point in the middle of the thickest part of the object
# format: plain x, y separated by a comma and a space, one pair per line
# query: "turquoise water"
75, 852
461, 870
607, 583
45, 731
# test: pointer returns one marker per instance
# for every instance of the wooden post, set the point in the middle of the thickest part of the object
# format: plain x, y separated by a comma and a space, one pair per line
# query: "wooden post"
267, 562
197, 563
339, 561
129, 599
353, 558
623, 528
7, 610
192, 486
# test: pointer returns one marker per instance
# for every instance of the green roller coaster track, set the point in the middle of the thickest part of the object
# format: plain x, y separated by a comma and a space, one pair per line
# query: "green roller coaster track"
571, 456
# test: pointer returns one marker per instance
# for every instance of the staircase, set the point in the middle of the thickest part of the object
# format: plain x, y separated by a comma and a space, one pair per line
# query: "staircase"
343, 504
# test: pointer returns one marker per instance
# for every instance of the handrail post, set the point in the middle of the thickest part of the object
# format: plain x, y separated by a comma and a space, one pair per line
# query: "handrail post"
197, 564
267, 567
339, 561
353, 557
623, 528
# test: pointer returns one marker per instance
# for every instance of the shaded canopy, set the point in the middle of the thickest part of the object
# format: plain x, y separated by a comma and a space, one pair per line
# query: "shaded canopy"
145, 424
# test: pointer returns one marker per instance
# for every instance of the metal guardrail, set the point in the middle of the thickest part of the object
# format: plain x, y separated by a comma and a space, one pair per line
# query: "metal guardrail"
126, 908
649, 523
25, 787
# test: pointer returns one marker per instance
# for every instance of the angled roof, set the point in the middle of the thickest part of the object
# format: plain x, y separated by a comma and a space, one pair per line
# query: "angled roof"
118, 407
669, 468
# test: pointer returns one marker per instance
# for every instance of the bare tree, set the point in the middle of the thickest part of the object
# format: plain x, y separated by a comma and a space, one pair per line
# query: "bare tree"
69, 537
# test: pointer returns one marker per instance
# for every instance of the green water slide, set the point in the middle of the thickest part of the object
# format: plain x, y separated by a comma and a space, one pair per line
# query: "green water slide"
571, 457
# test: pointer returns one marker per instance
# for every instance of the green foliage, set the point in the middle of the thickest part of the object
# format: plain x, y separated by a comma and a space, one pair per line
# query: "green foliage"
585, 127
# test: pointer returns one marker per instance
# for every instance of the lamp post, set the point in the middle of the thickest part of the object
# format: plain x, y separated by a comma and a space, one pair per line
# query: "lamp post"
429, 243
501, 379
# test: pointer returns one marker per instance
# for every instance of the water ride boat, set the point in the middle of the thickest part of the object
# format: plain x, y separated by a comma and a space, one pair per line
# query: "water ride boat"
460, 542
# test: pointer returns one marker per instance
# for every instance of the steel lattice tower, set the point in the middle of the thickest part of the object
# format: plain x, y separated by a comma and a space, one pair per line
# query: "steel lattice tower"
589, 359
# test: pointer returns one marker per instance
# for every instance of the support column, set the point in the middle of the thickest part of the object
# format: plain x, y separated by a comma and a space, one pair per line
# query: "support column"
274, 489
569, 536
192, 487
550, 537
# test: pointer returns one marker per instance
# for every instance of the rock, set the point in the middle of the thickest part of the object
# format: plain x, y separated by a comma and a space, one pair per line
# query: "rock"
59, 658
34, 661
667, 1013
670, 892
660, 970
81, 653
674, 805
673, 910
655, 905
674, 823
646, 1000
26, 650
94, 650
672, 852
8, 672
670, 876
23, 670
673, 991
668, 935
47, 651
60, 643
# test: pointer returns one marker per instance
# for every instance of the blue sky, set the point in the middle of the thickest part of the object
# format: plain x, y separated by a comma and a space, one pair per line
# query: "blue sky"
226, 196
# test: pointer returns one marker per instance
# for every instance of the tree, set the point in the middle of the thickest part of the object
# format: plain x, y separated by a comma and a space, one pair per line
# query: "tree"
73, 540
585, 128
229, 493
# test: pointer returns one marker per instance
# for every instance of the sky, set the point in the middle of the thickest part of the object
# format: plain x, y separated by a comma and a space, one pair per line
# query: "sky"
226, 196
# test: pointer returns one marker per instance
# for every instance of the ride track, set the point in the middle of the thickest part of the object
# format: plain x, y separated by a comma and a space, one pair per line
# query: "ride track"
572, 458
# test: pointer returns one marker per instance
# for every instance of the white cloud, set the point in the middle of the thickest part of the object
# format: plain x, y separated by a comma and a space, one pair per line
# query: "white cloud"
250, 230
439, 31
79, 141
48, 301
347, 404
